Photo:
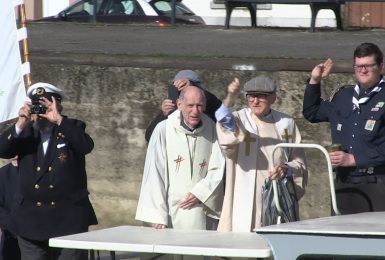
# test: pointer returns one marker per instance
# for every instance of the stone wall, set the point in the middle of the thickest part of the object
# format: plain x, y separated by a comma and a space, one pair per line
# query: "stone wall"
117, 103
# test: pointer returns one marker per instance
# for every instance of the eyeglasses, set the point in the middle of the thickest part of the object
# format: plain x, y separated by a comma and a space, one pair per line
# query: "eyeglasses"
260, 96
367, 67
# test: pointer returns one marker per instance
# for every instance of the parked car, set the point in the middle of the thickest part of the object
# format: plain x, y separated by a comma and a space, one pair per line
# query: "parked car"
124, 11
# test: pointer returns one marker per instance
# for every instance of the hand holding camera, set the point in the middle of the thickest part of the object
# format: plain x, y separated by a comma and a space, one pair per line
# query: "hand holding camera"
40, 107
24, 115
52, 110
46, 106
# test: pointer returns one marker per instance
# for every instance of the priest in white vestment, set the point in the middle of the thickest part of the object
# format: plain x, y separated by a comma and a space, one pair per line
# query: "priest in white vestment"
248, 137
182, 183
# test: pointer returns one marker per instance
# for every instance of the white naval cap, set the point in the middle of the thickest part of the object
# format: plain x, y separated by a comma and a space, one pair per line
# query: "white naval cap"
44, 89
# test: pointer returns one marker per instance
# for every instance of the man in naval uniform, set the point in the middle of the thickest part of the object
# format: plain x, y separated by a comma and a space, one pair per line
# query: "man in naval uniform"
52, 197
248, 137
182, 180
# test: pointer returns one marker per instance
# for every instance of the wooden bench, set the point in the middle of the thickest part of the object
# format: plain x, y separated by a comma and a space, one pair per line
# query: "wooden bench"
315, 6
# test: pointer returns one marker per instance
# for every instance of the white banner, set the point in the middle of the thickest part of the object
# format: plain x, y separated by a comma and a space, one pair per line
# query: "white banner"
12, 90
18, 2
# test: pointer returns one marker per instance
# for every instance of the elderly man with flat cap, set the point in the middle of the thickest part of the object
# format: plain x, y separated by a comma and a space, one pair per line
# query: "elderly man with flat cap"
52, 197
247, 137
182, 79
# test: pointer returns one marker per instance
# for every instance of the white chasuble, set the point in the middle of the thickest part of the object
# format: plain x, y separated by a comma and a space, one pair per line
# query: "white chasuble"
249, 159
193, 163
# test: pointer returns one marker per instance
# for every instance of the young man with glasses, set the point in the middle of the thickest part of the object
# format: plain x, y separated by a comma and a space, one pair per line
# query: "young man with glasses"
356, 115
247, 138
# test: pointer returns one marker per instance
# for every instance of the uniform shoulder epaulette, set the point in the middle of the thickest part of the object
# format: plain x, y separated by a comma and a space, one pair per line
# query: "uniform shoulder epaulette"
336, 91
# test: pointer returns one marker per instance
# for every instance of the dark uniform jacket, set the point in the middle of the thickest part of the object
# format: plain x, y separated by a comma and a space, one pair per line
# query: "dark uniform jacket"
360, 132
9, 179
53, 197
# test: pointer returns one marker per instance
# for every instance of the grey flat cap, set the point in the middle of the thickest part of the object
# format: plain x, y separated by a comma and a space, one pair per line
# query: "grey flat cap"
189, 74
260, 84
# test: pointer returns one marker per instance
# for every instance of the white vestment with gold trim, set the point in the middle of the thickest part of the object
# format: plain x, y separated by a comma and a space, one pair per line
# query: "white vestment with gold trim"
248, 161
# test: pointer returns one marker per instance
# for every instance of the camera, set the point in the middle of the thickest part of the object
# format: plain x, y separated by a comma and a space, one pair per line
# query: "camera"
36, 107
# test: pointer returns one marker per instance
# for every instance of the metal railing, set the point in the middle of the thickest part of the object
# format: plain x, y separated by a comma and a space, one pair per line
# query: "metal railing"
330, 171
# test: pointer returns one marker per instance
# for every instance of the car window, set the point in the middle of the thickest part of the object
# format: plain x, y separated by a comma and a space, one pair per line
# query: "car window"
181, 8
164, 8
122, 7
128, 6
84, 8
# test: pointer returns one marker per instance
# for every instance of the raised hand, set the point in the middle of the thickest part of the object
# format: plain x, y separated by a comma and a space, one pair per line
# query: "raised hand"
233, 90
321, 71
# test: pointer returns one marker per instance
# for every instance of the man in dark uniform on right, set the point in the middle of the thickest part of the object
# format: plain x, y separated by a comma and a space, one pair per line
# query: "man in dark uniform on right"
356, 115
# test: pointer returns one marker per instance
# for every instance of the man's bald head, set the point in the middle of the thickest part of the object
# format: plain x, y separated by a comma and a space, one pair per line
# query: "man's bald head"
192, 103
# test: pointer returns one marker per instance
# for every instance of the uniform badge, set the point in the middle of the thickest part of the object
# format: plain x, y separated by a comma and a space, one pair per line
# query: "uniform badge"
375, 109
62, 157
339, 127
370, 124
40, 91
380, 104
60, 145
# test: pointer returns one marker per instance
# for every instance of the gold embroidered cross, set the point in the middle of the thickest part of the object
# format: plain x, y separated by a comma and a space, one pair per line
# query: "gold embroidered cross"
286, 135
202, 165
178, 161
248, 140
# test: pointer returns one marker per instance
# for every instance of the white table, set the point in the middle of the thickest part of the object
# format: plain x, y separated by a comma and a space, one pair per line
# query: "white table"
346, 235
168, 241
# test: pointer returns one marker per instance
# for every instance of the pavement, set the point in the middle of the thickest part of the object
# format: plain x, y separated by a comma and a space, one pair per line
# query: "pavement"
197, 46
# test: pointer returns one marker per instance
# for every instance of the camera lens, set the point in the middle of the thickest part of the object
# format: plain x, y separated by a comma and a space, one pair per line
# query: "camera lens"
37, 109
